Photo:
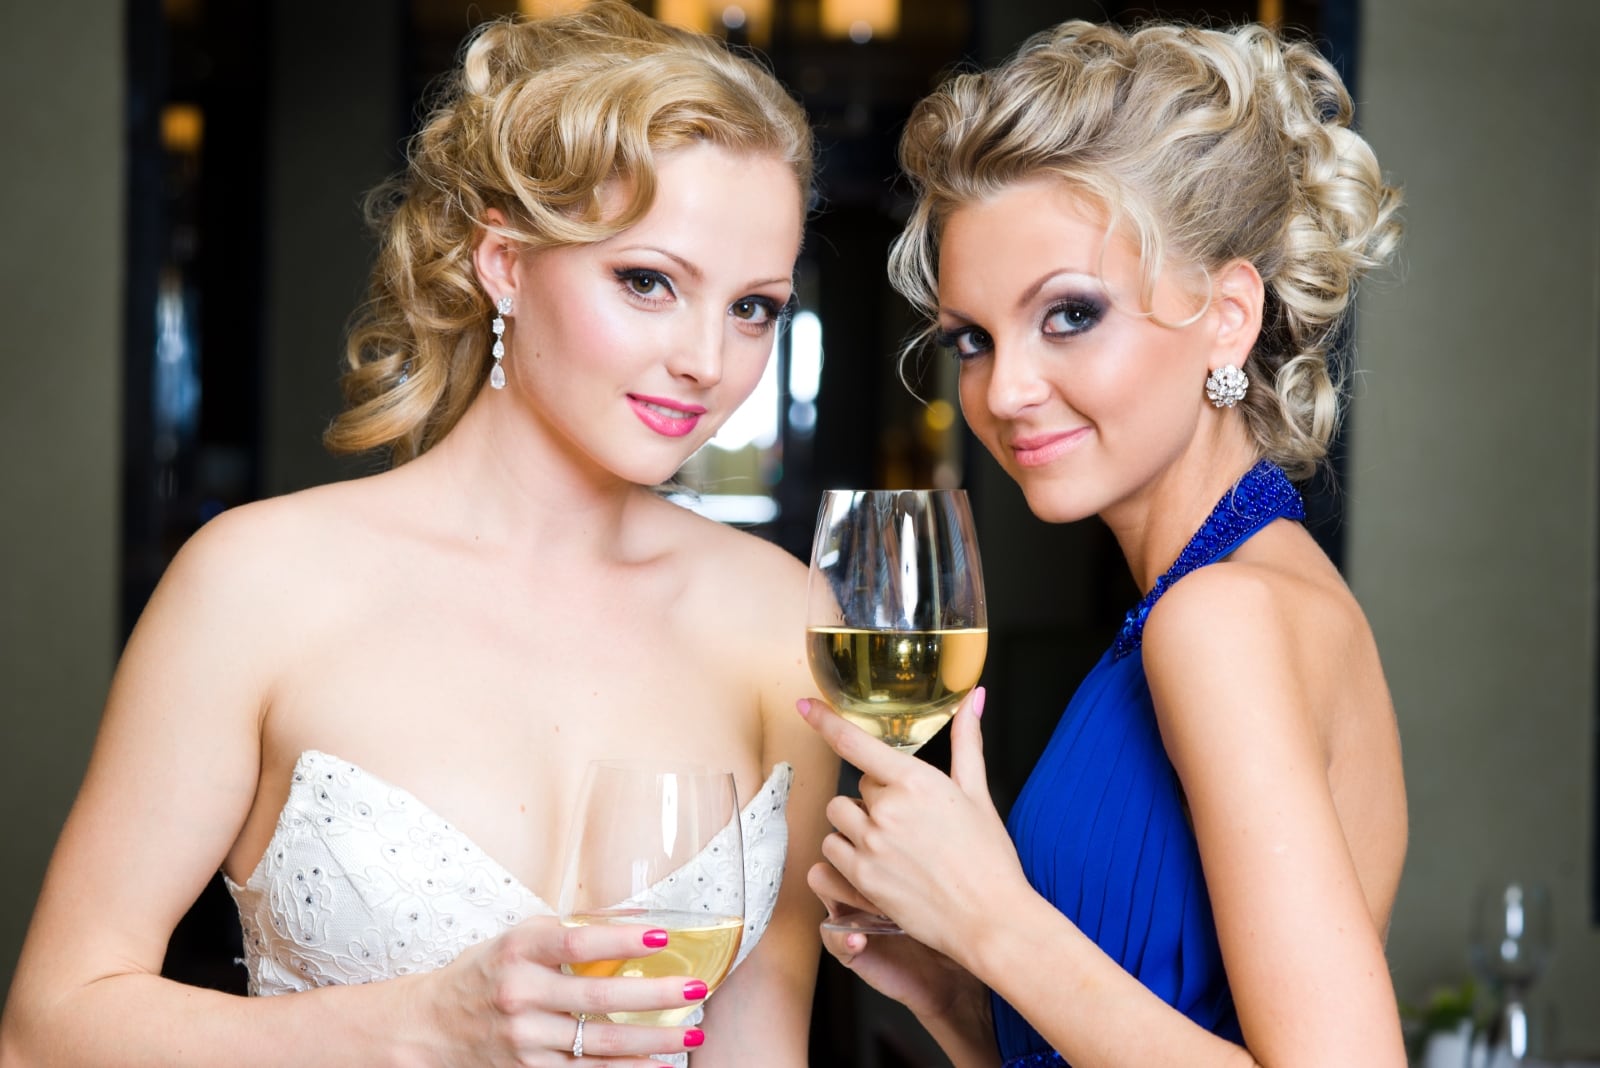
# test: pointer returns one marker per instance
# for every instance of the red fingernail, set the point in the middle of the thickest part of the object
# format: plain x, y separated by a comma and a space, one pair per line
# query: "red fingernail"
694, 1037
694, 990
655, 938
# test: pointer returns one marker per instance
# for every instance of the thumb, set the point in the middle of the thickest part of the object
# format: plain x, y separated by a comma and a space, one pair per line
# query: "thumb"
967, 767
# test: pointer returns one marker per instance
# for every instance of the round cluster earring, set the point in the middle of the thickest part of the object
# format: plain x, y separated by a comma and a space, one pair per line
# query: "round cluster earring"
1225, 386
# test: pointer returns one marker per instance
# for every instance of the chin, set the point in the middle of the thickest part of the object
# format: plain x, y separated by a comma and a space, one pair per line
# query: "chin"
655, 465
1052, 505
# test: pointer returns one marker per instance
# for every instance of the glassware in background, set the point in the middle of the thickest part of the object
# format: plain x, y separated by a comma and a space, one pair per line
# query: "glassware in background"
1509, 947
656, 845
897, 629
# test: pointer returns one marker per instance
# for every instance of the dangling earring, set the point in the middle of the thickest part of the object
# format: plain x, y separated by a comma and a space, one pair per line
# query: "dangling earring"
497, 375
1225, 386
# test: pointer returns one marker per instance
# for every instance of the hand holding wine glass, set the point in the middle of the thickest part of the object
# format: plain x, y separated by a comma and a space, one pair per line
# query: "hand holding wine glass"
897, 628
659, 847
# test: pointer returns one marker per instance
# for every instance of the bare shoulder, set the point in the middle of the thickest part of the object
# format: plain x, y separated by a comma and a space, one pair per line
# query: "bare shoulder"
752, 580
1270, 639
1281, 603
252, 566
240, 549
753, 593
260, 525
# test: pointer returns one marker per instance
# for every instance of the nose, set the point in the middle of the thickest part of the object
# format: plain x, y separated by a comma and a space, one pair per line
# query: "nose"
1014, 384
696, 354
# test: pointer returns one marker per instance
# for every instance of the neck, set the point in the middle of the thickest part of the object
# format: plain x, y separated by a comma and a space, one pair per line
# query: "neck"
1153, 524
509, 482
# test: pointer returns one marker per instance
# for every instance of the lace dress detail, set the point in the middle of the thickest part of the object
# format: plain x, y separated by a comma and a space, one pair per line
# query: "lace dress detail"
363, 882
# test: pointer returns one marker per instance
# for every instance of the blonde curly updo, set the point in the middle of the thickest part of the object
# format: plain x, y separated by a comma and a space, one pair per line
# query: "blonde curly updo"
1209, 146
538, 117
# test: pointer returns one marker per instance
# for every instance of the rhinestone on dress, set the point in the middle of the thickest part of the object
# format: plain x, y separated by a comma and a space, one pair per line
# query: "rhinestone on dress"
1038, 1060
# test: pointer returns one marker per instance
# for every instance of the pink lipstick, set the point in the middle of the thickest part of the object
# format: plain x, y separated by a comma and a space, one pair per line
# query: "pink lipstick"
667, 417
1042, 449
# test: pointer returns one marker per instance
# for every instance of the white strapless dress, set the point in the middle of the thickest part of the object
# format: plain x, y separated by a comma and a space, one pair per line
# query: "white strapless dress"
362, 882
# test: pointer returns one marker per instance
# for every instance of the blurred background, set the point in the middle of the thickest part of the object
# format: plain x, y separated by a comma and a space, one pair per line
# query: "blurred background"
181, 242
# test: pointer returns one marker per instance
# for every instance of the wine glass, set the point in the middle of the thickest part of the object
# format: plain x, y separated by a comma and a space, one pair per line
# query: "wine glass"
658, 846
1510, 944
896, 627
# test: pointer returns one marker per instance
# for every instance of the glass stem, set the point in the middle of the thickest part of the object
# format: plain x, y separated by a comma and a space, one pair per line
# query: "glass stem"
1514, 1022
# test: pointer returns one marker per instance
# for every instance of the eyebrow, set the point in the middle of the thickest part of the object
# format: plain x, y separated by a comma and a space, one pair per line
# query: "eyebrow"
694, 272
690, 269
1050, 276
1032, 291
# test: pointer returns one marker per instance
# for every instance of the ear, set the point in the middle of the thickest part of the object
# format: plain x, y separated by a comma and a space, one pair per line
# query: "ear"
1238, 296
495, 258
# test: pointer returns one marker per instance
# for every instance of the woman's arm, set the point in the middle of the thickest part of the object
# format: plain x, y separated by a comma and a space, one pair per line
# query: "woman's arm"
1246, 707
170, 781
763, 1013
949, 1002
932, 851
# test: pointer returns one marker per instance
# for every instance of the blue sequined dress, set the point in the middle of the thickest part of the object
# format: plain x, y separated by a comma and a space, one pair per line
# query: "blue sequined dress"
1100, 826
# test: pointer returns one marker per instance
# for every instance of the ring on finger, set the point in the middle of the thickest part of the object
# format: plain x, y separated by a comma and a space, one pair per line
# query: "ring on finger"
577, 1038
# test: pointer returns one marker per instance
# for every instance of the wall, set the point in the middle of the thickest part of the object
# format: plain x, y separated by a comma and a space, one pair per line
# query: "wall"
1473, 471
61, 266
338, 115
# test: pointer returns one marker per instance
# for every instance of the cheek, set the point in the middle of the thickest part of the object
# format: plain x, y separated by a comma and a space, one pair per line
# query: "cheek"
1140, 370
601, 330
1155, 396
748, 359
582, 328
973, 389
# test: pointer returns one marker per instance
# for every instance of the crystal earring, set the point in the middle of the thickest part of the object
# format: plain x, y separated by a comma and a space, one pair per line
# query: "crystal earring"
1225, 386
497, 375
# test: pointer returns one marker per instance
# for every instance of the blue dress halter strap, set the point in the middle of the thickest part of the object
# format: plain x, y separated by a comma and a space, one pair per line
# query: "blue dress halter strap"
1101, 826
1263, 494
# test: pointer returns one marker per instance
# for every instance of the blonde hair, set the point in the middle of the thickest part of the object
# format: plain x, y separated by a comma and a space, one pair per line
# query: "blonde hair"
538, 117
1210, 146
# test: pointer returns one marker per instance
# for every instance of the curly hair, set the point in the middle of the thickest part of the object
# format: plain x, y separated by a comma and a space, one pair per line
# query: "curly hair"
537, 118
1209, 146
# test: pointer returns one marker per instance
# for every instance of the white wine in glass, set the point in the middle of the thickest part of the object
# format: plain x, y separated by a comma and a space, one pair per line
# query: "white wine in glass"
897, 629
658, 846
899, 686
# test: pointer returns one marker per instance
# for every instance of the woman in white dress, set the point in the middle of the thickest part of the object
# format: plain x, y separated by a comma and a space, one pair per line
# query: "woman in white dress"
371, 703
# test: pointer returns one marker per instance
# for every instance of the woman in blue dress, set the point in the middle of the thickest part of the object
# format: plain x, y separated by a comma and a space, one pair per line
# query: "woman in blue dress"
1141, 248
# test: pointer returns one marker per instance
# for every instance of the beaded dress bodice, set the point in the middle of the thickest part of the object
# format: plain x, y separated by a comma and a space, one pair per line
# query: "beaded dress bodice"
1100, 826
362, 882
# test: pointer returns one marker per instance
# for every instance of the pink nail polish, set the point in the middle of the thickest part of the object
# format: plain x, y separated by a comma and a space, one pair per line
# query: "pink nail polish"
694, 1037
803, 707
655, 938
694, 990
978, 701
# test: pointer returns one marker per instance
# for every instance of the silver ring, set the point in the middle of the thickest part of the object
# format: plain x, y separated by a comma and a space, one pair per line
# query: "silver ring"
577, 1039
